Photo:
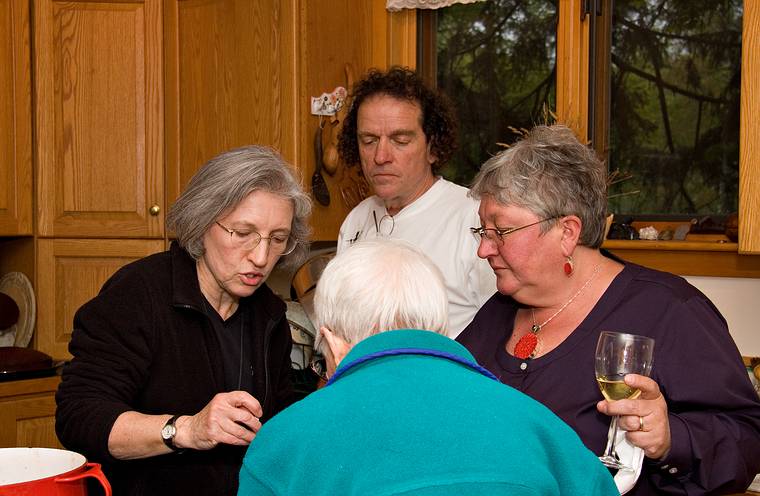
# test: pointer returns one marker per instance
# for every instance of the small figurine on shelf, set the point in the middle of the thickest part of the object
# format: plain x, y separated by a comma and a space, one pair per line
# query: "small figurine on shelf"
623, 230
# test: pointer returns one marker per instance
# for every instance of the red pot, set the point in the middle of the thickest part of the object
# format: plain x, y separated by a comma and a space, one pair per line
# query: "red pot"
46, 472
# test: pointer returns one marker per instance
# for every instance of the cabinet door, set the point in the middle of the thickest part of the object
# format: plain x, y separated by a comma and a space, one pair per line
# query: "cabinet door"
15, 119
70, 272
230, 81
27, 413
99, 118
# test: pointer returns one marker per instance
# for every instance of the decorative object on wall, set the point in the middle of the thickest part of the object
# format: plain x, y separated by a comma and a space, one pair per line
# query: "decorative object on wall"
396, 5
328, 104
351, 183
19, 288
331, 158
318, 184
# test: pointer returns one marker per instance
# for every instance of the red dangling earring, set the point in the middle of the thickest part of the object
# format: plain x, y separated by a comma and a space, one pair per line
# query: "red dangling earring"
568, 266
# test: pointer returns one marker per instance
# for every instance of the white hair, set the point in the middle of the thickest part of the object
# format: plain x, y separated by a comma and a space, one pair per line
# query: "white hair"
380, 285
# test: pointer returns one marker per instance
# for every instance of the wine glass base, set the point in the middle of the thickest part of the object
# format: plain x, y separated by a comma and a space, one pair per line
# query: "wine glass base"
612, 462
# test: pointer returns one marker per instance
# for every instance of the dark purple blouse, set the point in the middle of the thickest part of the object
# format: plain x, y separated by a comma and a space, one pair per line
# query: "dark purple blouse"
714, 410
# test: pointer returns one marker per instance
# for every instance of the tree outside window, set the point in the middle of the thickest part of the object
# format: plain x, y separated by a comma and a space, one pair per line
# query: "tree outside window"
674, 87
674, 114
497, 61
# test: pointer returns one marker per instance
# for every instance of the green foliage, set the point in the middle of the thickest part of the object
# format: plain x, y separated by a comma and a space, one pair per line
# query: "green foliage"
675, 104
675, 84
497, 62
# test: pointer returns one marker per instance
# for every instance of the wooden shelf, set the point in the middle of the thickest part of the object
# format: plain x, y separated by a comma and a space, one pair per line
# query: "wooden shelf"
708, 246
688, 258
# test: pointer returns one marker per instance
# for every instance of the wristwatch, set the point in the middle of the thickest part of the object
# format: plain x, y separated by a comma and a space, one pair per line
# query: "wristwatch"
168, 431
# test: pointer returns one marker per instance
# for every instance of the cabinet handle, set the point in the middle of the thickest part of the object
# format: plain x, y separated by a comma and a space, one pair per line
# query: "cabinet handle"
154, 210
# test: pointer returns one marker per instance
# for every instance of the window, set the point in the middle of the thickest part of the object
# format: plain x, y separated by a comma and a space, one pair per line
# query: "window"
578, 97
496, 60
673, 104
667, 78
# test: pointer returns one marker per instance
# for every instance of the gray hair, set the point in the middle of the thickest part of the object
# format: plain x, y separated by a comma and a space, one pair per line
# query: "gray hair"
226, 180
380, 285
552, 174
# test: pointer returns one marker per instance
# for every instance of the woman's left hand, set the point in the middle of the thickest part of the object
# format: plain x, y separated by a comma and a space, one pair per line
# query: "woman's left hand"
645, 418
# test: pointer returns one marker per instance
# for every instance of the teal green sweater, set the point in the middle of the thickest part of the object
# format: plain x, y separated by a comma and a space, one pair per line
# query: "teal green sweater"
418, 425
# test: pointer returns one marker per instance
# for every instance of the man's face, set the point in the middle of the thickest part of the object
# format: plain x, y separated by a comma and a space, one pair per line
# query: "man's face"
394, 151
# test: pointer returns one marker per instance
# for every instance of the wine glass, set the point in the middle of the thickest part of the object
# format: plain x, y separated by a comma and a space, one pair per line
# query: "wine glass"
618, 354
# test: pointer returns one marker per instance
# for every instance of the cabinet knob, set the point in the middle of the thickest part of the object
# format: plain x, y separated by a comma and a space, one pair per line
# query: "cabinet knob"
154, 210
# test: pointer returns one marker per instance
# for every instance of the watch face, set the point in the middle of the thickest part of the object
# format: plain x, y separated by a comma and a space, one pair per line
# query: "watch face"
168, 431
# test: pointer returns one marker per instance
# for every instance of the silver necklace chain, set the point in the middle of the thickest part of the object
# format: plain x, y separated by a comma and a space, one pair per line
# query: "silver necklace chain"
538, 327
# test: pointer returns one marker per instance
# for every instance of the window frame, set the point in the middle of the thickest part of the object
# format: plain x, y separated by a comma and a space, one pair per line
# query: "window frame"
573, 93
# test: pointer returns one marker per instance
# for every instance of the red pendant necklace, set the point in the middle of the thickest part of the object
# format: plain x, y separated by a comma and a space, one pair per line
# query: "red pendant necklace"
529, 344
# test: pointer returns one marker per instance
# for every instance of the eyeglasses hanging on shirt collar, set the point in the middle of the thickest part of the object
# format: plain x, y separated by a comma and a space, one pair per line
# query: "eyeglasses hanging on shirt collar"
384, 227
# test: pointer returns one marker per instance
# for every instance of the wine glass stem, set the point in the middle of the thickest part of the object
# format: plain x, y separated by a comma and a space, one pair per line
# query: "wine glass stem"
609, 450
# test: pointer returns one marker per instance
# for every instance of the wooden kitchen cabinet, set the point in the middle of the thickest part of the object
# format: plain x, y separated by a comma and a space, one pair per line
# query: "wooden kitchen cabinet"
15, 119
230, 79
27, 413
99, 118
135, 96
132, 97
69, 273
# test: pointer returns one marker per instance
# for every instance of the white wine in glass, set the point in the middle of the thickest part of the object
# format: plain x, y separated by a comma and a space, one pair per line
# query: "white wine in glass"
614, 388
619, 354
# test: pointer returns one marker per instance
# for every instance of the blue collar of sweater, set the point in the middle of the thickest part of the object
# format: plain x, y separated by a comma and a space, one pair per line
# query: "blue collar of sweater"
407, 342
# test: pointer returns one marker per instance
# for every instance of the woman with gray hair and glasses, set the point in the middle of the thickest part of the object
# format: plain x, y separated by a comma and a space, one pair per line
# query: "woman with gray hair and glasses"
406, 409
189, 350
543, 204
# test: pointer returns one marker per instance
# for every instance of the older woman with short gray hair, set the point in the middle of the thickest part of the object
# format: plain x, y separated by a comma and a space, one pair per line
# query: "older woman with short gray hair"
189, 350
542, 213
224, 183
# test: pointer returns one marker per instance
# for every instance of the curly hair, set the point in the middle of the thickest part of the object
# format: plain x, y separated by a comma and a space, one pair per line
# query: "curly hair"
438, 122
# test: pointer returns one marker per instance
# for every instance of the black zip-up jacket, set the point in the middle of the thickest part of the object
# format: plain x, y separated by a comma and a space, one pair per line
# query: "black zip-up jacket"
145, 344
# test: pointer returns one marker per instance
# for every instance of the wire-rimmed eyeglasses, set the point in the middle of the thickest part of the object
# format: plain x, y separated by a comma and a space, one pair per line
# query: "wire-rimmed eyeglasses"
279, 244
385, 225
496, 235
318, 364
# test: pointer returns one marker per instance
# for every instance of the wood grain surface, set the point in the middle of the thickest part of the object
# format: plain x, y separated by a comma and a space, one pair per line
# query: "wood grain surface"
749, 139
15, 119
99, 118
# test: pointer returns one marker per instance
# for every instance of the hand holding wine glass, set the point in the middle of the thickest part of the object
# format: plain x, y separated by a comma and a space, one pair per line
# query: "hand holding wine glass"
619, 354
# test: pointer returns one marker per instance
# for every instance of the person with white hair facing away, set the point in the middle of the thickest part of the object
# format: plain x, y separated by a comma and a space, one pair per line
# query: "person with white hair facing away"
407, 410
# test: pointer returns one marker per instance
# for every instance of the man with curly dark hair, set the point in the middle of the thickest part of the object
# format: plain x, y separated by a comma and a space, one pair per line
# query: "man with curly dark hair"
402, 132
